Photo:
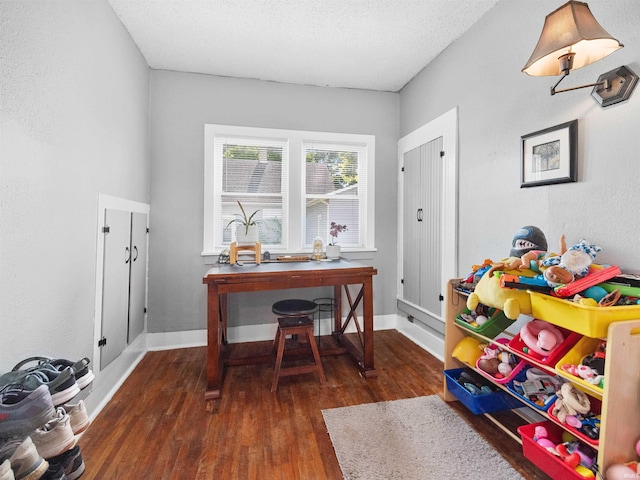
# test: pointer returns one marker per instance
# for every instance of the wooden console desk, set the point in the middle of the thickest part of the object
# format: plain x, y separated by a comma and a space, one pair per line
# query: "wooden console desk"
224, 279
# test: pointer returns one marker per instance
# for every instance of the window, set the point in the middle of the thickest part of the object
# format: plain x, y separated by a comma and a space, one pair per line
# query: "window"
298, 182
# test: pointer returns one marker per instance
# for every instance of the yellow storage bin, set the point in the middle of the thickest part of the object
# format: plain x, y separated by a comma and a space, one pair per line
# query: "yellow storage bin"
589, 321
585, 346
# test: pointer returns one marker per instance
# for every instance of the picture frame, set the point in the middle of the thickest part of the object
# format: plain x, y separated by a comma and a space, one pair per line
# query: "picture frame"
550, 156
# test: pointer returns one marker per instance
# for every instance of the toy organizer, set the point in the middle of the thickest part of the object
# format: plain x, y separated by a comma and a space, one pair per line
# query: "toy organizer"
617, 402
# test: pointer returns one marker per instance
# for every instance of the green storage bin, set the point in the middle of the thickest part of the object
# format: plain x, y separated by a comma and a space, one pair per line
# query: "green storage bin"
496, 324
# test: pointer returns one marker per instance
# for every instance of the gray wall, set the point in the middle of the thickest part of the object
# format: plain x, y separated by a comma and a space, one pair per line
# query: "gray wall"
74, 95
75, 122
480, 73
181, 104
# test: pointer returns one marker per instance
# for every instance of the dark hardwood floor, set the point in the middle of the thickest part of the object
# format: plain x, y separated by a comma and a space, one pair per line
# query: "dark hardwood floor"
158, 425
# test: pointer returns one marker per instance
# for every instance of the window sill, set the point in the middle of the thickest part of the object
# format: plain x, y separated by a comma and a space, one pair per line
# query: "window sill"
211, 258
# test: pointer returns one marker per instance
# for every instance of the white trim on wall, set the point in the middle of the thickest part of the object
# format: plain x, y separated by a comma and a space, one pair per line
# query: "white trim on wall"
445, 126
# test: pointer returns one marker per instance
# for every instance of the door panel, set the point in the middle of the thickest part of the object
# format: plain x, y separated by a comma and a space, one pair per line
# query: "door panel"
115, 284
138, 278
411, 234
431, 247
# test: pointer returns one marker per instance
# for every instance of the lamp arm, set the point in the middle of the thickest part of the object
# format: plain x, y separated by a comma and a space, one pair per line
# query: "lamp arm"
606, 84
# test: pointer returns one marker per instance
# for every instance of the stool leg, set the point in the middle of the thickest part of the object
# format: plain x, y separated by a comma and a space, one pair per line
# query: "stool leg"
276, 342
316, 356
276, 371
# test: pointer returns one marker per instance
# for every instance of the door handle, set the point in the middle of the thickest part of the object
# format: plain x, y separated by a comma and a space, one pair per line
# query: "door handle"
135, 248
127, 254
419, 215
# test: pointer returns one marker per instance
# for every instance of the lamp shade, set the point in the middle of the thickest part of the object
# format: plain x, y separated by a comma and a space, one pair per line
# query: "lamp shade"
570, 29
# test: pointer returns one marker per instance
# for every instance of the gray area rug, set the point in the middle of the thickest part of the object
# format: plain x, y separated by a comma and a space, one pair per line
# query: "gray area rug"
414, 439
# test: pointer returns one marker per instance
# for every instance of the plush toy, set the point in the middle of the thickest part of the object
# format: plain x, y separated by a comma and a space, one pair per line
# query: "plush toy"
570, 402
489, 292
571, 265
511, 301
527, 239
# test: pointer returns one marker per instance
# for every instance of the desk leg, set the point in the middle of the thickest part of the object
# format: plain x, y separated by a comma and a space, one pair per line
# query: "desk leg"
367, 313
214, 341
337, 314
364, 356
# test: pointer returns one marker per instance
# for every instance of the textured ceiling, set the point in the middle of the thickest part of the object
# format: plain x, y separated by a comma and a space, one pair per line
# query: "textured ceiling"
365, 44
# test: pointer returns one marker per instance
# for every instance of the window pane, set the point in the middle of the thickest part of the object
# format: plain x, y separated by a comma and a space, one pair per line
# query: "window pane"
251, 169
331, 171
321, 211
269, 218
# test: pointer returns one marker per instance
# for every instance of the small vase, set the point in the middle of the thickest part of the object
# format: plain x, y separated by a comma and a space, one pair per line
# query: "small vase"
333, 252
247, 237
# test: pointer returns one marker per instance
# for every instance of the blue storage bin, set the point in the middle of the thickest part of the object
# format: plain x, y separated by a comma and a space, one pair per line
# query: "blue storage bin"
478, 404
522, 377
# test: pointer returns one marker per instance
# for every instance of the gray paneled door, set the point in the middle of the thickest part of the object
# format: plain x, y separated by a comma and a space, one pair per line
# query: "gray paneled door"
115, 284
422, 220
124, 281
138, 275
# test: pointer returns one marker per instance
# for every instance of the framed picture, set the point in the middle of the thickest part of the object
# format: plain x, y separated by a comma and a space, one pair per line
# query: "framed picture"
550, 156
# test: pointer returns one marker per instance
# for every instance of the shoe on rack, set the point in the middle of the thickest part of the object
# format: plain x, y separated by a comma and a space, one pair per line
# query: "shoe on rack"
26, 462
84, 375
22, 411
71, 461
56, 437
5, 471
54, 472
62, 383
79, 417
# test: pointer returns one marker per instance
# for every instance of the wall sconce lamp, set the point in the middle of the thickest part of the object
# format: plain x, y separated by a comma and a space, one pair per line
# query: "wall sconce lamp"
572, 38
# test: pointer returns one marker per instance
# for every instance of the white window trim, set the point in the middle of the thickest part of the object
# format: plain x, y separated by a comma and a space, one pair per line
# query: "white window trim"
296, 170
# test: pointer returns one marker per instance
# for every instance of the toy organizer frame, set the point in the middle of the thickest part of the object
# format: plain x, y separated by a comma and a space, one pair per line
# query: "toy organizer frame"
620, 413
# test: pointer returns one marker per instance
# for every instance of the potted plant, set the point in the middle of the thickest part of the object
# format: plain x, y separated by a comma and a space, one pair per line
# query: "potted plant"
248, 232
333, 249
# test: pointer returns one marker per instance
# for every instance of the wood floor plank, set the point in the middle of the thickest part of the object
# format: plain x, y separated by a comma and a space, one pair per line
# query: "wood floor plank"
158, 424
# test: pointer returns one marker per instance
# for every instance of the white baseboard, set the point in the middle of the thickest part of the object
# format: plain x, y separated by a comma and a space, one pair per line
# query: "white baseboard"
246, 333
429, 340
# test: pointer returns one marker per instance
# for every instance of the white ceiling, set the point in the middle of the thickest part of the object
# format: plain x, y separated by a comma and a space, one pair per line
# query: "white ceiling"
366, 44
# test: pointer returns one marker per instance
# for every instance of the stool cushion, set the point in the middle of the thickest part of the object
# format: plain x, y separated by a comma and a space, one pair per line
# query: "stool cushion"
293, 307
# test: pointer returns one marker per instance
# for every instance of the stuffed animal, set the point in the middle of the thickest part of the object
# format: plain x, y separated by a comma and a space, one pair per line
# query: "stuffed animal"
571, 265
512, 302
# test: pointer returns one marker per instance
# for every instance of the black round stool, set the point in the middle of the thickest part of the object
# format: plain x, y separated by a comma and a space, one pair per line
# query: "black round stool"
294, 319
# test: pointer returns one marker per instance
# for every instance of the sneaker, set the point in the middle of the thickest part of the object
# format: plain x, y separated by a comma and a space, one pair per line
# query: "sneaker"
5, 471
84, 376
54, 472
56, 437
22, 411
79, 417
71, 461
61, 382
26, 462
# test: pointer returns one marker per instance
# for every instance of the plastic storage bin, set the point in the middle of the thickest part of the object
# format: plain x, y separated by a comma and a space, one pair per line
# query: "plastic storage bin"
570, 339
596, 408
585, 346
586, 320
519, 366
478, 404
549, 463
495, 325
522, 377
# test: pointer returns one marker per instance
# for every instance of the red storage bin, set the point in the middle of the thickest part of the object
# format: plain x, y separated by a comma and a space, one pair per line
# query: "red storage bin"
549, 463
596, 408
570, 339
